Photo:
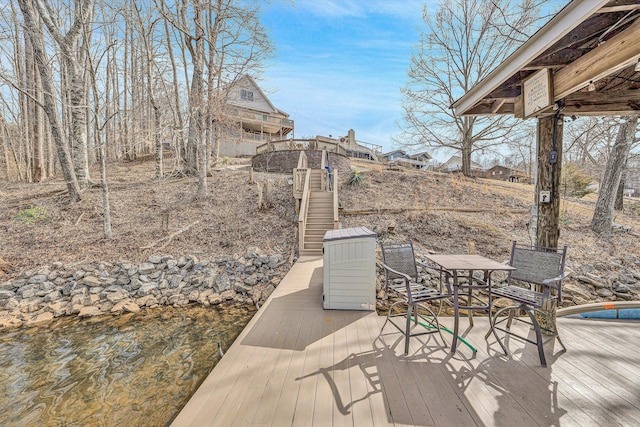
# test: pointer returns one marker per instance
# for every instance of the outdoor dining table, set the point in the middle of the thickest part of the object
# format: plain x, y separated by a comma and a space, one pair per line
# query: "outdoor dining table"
454, 267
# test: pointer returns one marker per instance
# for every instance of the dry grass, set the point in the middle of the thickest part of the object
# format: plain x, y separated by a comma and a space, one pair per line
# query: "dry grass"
229, 221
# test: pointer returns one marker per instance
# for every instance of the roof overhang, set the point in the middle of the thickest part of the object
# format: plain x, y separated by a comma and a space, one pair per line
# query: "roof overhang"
590, 48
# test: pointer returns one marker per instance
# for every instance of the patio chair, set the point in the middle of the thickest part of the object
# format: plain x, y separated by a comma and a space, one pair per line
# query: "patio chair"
401, 278
535, 287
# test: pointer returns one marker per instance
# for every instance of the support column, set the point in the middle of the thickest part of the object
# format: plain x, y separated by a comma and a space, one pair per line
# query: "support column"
549, 171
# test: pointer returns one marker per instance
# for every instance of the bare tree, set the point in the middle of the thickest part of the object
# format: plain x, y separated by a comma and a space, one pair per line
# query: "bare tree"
35, 32
69, 45
603, 214
464, 41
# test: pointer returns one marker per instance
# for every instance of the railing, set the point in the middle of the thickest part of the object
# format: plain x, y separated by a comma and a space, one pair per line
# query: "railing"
598, 306
301, 144
304, 209
323, 171
299, 176
377, 149
263, 118
336, 219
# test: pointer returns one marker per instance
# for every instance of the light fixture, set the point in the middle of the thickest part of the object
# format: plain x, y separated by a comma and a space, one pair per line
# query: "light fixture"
637, 67
592, 87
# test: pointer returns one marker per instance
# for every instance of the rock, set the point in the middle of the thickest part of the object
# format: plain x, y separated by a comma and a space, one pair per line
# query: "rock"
137, 283
228, 295
193, 295
59, 308
91, 281
131, 307
116, 296
215, 299
252, 252
147, 289
147, 301
251, 280
222, 282
155, 259
85, 312
604, 293
146, 268
178, 299
172, 263
52, 296
79, 274
40, 318
203, 296
6, 294
38, 278
621, 288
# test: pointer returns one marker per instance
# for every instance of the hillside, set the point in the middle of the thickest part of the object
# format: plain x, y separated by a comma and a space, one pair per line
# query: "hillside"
440, 212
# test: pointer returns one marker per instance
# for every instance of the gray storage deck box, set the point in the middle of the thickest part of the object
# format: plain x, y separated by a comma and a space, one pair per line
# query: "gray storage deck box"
349, 269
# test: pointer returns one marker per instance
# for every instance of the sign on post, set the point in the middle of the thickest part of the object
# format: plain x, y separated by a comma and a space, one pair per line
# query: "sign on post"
537, 92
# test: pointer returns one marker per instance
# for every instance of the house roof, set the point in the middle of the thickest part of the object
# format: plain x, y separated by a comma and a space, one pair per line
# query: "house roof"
589, 44
253, 83
458, 160
423, 154
393, 152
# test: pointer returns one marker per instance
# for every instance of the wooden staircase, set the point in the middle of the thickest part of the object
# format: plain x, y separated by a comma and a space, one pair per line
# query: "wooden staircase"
319, 216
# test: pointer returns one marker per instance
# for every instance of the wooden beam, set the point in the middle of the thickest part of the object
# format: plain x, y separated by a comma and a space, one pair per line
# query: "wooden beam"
613, 55
613, 9
497, 105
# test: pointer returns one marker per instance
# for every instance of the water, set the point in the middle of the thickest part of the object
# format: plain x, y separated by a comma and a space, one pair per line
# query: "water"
132, 370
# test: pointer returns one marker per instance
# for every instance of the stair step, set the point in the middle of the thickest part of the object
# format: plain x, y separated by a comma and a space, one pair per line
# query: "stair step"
308, 246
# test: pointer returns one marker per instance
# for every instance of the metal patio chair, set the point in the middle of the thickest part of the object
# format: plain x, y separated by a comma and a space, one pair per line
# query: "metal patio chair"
401, 278
535, 286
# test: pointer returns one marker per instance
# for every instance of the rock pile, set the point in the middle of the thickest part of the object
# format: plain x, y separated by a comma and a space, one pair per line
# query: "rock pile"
92, 289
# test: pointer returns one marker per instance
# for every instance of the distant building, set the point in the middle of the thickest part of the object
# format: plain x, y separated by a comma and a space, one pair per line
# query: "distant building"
454, 164
400, 157
257, 119
504, 173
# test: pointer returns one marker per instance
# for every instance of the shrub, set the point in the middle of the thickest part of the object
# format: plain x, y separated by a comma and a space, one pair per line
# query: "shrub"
355, 178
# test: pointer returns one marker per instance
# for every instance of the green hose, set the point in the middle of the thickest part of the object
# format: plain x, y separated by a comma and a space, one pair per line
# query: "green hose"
464, 341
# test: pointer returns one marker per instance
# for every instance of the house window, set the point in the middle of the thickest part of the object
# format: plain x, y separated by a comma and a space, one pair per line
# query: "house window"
246, 94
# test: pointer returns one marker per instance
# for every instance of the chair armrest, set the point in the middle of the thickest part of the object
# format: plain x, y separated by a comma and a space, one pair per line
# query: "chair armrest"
441, 271
407, 279
425, 265
555, 282
559, 278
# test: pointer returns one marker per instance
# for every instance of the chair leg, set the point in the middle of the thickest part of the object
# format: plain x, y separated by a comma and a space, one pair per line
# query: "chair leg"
492, 328
434, 319
389, 313
536, 327
408, 329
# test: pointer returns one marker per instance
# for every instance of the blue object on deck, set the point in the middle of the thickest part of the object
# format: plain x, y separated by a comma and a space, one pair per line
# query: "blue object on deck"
624, 313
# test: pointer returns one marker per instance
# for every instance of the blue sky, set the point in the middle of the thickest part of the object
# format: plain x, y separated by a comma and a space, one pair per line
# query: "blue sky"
340, 64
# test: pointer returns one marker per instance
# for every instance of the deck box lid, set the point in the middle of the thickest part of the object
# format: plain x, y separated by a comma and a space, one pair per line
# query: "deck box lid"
348, 233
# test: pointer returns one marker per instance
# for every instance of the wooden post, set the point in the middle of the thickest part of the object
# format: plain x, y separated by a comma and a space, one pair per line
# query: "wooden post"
549, 169
549, 180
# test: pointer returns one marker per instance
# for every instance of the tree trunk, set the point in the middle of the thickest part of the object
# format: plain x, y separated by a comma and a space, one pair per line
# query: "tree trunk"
603, 214
36, 36
619, 203
466, 147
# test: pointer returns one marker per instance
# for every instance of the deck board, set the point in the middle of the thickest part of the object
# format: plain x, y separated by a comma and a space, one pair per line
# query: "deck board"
297, 364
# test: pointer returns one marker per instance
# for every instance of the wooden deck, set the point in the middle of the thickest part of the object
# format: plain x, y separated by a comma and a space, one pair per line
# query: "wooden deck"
297, 364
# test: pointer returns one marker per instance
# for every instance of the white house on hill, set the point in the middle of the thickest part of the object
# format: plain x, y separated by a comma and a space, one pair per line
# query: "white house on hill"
256, 119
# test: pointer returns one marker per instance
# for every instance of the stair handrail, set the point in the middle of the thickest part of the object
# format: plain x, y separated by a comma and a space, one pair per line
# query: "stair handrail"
323, 171
336, 219
304, 210
303, 163
298, 178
